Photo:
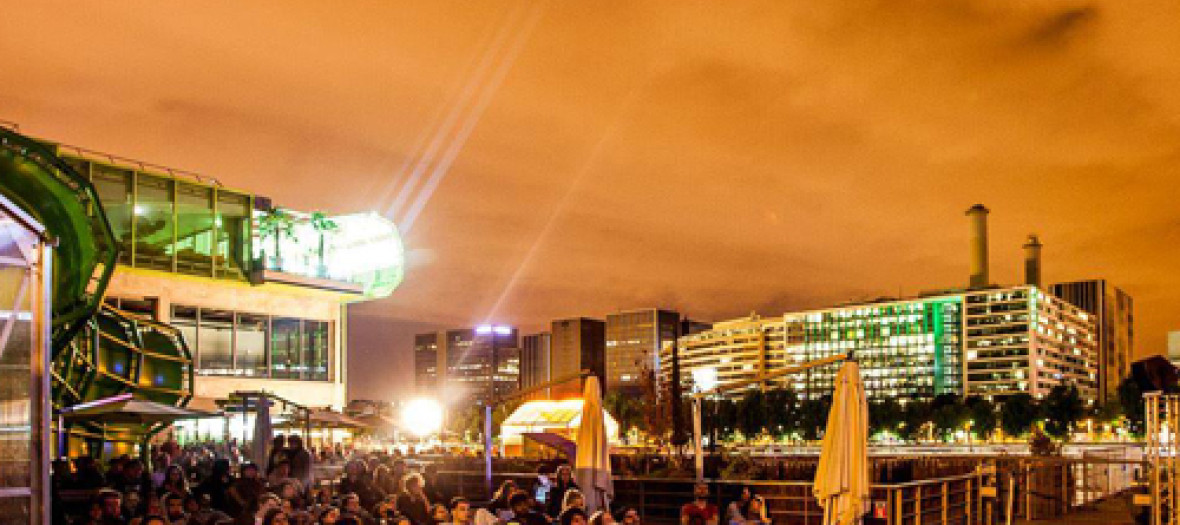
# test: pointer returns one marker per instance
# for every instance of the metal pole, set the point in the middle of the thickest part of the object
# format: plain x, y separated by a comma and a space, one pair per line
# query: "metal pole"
487, 448
698, 449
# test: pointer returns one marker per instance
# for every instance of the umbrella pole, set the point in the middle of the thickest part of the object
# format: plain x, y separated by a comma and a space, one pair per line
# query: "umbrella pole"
487, 447
698, 448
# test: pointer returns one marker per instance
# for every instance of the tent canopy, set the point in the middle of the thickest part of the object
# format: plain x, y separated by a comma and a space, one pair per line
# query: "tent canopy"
126, 409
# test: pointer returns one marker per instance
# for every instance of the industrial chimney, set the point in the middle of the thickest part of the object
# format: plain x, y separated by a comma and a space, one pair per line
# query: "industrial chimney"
979, 277
1032, 261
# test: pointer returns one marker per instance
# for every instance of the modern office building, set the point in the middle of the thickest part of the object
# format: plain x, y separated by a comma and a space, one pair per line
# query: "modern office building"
576, 344
1115, 321
535, 351
633, 342
259, 292
467, 365
992, 342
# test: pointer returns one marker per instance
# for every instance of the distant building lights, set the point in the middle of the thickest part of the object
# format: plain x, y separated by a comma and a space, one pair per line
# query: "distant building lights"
483, 329
502, 330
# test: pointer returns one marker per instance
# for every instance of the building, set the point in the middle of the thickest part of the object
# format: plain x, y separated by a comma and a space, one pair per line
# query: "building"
993, 342
633, 342
1174, 347
259, 293
535, 363
575, 344
1115, 315
467, 365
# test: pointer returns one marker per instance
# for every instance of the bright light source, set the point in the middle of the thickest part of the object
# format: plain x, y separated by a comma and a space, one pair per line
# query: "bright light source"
502, 330
483, 329
140, 211
422, 417
705, 379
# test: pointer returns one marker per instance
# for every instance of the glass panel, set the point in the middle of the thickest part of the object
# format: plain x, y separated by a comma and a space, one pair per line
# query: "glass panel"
184, 318
16, 289
233, 235
153, 222
251, 345
284, 347
194, 231
215, 335
315, 350
114, 191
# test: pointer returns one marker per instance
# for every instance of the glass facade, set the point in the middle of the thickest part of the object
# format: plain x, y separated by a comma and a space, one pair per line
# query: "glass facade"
228, 343
905, 349
170, 224
633, 342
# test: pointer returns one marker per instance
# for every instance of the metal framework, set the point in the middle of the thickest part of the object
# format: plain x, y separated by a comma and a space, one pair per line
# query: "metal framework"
1163, 454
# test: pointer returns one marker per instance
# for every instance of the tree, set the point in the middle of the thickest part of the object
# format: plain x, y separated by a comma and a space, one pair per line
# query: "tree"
885, 415
322, 225
949, 417
1018, 414
276, 223
813, 417
782, 411
1131, 400
1063, 409
751, 414
983, 417
625, 409
917, 414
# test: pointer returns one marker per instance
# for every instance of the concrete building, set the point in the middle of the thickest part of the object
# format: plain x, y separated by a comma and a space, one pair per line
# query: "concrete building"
259, 310
1115, 320
992, 342
633, 342
468, 365
535, 363
576, 344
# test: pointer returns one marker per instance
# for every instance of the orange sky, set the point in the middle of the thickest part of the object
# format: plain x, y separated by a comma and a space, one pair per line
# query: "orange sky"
713, 157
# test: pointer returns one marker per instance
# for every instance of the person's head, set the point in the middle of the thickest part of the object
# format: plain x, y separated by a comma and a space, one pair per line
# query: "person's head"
192, 503
439, 513
505, 491
174, 474
295, 442
602, 518
572, 516
174, 506
131, 500
630, 516
329, 516
279, 442
250, 471
430, 471
111, 502
700, 491
275, 517
355, 469
565, 475
412, 483
282, 469
574, 499
133, 469
757, 507
267, 502
288, 491
460, 510
520, 503
351, 503
746, 494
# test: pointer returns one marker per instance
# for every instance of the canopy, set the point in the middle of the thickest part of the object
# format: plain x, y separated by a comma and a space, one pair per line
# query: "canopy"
126, 409
592, 462
328, 418
556, 442
842, 480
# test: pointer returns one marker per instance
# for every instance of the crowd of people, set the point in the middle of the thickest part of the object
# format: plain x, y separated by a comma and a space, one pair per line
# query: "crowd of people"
199, 486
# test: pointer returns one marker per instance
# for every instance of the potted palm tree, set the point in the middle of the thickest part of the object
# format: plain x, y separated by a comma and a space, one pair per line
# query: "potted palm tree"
276, 224
322, 225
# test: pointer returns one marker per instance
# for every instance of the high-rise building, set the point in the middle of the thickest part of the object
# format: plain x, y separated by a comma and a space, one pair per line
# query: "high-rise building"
1115, 322
535, 365
633, 342
1174, 347
990, 342
575, 344
469, 365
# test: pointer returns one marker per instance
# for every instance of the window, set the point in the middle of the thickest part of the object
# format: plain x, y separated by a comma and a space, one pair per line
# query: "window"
233, 235
215, 334
285, 348
114, 191
153, 222
250, 345
239, 344
194, 229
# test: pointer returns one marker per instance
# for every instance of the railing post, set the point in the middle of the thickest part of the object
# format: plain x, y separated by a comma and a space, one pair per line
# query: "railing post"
898, 501
945, 501
968, 501
918, 504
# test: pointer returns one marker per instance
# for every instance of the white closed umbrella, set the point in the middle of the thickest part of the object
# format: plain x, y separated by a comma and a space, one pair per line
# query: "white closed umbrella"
592, 461
842, 481
263, 433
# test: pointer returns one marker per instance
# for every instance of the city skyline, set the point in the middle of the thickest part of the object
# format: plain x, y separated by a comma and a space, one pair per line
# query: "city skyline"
710, 161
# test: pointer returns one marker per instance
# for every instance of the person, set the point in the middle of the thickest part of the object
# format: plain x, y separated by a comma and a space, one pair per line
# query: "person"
301, 461
573, 499
87, 475
246, 488
631, 516
542, 486
431, 485
383, 480
174, 481
386, 509
439, 514
756, 512
174, 509
328, 516
133, 479
199, 512
351, 504
278, 452
275, 517
555, 498
112, 508
699, 511
93, 515
499, 506
522, 511
216, 486
262, 506
358, 481
460, 511
572, 516
412, 502
602, 517
735, 513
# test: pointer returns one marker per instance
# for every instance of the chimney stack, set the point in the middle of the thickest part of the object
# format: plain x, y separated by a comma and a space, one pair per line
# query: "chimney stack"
1032, 261
979, 274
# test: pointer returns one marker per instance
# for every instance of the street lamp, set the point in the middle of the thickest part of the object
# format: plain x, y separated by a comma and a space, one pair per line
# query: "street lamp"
422, 417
